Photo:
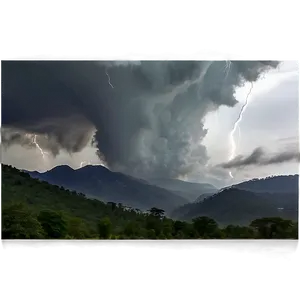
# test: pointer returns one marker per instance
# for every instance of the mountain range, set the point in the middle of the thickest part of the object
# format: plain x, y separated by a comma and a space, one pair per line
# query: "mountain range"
100, 183
237, 204
275, 196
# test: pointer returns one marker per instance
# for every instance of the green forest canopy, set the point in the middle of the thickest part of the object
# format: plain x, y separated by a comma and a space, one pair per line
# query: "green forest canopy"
32, 209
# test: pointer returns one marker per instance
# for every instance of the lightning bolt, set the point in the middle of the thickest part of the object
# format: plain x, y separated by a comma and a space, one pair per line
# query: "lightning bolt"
108, 79
236, 123
33, 140
227, 67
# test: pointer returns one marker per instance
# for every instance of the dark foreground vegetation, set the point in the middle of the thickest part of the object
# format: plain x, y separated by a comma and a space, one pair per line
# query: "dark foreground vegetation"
32, 209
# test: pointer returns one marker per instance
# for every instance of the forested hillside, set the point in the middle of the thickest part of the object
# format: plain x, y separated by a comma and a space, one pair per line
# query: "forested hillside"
100, 183
239, 207
32, 209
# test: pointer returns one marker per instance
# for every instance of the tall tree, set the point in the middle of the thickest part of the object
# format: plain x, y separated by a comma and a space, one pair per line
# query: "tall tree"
104, 228
77, 228
268, 228
18, 222
205, 226
54, 223
157, 212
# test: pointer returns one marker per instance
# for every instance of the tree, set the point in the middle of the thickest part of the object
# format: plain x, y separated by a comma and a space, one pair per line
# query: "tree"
238, 232
151, 234
153, 223
280, 228
18, 222
113, 205
104, 228
167, 228
178, 226
53, 223
77, 228
157, 212
268, 228
132, 229
205, 226
189, 231
74, 193
161, 236
261, 226
138, 211
183, 230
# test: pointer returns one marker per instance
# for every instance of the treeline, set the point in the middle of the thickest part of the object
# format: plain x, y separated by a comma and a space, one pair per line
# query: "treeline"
20, 222
37, 210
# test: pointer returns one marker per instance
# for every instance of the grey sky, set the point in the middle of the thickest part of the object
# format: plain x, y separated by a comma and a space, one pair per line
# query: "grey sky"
271, 120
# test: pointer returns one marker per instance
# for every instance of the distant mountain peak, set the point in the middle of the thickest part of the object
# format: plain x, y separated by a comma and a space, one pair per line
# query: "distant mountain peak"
97, 171
61, 168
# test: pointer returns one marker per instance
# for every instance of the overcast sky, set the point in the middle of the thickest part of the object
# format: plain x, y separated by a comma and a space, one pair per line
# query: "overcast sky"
271, 120
189, 146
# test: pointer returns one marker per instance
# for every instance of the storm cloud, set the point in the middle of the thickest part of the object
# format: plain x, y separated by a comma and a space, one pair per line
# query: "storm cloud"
145, 117
261, 158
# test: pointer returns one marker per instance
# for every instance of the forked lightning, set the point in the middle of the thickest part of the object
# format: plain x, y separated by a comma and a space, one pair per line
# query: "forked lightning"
238, 120
34, 141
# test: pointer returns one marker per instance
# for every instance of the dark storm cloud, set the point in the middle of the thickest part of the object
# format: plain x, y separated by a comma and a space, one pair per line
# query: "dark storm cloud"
260, 157
148, 116
71, 133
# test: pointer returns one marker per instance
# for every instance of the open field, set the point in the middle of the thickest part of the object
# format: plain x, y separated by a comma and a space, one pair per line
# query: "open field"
237, 247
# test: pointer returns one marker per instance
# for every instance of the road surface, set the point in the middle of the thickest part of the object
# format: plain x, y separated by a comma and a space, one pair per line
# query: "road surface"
272, 249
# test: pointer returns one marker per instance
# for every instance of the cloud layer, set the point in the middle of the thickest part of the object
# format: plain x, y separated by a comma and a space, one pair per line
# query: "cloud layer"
261, 158
148, 116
